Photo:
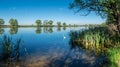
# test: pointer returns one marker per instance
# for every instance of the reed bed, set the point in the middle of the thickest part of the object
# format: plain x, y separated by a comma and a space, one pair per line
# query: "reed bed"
95, 38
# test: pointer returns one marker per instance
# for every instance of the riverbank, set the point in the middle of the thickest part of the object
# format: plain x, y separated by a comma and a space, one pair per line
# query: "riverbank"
8, 26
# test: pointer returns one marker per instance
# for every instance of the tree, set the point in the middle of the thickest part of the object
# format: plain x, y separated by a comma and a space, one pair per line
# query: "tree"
50, 22
59, 24
45, 22
64, 24
38, 22
13, 22
2, 21
109, 9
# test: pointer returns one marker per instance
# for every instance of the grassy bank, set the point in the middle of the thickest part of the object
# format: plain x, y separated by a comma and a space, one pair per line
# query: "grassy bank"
100, 41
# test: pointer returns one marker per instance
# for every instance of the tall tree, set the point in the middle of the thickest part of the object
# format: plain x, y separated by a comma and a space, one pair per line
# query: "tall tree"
13, 22
59, 24
38, 22
2, 21
50, 22
64, 24
109, 9
45, 22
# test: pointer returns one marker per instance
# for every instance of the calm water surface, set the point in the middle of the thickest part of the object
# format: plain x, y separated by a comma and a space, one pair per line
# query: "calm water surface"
42, 47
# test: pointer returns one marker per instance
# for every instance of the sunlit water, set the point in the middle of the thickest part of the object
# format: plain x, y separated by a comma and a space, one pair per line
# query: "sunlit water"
50, 48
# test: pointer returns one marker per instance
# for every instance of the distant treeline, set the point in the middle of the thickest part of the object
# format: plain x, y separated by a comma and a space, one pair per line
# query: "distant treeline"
39, 23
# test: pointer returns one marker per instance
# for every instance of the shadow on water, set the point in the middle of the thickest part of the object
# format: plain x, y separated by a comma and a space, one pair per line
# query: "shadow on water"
10, 54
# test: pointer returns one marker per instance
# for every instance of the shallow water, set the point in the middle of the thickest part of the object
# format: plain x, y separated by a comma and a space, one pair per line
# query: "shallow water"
50, 47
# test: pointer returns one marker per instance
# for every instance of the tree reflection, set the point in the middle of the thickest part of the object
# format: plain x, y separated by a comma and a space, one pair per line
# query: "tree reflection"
64, 28
47, 29
38, 30
1, 31
50, 30
13, 30
58, 28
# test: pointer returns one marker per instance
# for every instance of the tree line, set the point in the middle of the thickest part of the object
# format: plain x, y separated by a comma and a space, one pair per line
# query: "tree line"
46, 23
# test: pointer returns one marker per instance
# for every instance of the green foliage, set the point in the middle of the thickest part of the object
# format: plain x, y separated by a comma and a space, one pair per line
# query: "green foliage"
13, 22
45, 22
113, 56
50, 22
59, 24
95, 38
64, 24
2, 21
109, 9
38, 22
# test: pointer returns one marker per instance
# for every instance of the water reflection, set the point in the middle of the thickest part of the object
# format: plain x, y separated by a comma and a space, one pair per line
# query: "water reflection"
13, 30
38, 30
75, 50
1, 31
58, 28
50, 29
64, 28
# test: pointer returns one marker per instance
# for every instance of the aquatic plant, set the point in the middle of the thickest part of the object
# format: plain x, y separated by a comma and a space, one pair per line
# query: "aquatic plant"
10, 49
95, 38
10, 52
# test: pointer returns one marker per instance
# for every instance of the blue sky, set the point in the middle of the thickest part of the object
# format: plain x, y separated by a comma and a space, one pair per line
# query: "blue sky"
27, 11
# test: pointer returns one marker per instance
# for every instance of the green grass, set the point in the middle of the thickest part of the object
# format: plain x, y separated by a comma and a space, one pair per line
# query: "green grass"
113, 56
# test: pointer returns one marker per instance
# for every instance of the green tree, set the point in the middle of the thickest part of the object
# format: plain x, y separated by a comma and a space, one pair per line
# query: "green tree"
59, 24
13, 22
64, 24
2, 21
38, 22
45, 22
50, 22
109, 9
